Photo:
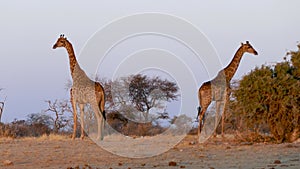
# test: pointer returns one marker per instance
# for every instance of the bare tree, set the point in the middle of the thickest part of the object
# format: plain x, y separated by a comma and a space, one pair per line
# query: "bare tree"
59, 107
2, 103
1, 109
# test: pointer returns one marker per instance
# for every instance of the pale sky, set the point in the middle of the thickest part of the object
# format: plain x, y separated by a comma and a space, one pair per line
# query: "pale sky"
31, 71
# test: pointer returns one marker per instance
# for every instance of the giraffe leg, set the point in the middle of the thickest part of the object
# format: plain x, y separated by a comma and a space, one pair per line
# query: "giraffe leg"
202, 119
99, 122
228, 92
205, 98
74, 115
102, 124
204, 102
199, 127
101, 107
217, 117
103, 118
81, 107
223, 117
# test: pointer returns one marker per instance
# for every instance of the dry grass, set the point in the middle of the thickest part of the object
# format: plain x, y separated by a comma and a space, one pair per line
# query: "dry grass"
5, 139
50, 137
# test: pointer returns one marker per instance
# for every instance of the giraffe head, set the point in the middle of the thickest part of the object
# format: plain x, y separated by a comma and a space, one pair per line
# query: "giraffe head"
248, 48
61, 42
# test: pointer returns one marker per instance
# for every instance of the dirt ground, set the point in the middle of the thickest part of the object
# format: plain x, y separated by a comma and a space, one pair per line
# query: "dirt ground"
216, 153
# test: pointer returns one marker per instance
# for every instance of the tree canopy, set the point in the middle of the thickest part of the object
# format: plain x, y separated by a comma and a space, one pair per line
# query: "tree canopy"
270, 95
139, 94
146, 93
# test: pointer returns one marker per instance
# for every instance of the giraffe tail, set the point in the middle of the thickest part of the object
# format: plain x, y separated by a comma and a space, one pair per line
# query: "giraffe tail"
104, 114
199, 111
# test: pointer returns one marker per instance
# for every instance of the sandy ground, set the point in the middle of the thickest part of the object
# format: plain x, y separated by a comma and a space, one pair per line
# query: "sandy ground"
214, 154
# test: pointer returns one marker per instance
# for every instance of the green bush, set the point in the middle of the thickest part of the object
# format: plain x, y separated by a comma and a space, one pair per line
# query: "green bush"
271, 95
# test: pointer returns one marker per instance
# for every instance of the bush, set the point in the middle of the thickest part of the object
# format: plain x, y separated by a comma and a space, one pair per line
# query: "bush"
6, 131
29, 128
270, 95
130, 128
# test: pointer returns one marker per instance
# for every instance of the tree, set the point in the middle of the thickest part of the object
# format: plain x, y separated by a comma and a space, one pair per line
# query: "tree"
59, 108
270, 95
132, 100
117, 95
1, 109
136, 96
2, 103
147, 93
295, 59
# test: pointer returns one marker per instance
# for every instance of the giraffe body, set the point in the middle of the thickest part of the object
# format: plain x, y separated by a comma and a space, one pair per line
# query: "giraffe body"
218, 89
84, 91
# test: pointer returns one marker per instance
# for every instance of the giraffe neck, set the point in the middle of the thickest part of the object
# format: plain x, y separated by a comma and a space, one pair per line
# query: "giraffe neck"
74, 66
230, 70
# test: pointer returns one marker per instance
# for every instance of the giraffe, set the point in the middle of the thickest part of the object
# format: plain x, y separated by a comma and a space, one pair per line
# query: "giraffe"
83, 91
212, 90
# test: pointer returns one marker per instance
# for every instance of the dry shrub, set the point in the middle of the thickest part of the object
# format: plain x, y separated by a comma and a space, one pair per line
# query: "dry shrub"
193, 131
130, 128
6, 131
142, 129
22, 129
270, 95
